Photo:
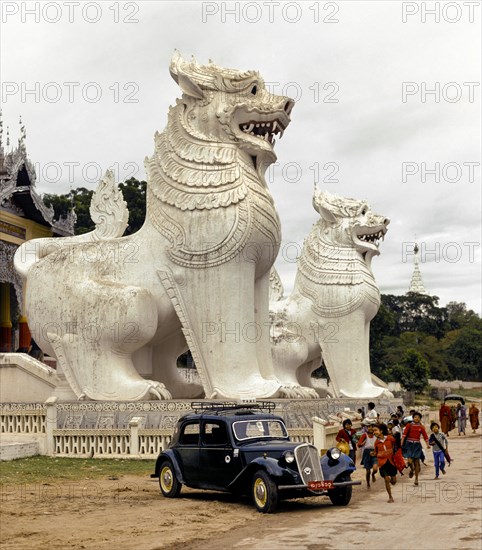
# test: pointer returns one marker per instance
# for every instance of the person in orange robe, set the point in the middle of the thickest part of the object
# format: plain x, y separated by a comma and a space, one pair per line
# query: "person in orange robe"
474, 416
445, 418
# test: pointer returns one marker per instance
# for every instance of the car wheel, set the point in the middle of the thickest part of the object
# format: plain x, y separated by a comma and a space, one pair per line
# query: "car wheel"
341, 496
170, 486
265, 492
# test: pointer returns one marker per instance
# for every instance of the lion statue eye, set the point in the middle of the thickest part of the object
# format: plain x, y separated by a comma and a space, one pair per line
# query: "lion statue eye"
364, 211
254, 90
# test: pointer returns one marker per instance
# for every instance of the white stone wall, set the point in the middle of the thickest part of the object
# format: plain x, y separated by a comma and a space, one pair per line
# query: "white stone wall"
11, 450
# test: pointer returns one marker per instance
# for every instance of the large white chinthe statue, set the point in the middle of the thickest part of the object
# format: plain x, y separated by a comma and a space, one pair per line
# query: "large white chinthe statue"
335, 297
117, 311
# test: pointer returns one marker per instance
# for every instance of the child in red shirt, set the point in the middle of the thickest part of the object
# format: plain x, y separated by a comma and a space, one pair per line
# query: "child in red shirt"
413, 449
384, 449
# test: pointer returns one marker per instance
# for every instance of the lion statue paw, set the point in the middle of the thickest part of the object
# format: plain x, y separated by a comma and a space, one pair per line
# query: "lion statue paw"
158, 390
298, 392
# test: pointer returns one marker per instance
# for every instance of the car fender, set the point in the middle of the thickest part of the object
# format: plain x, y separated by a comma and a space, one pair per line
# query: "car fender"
271, 465
280, 474
170, 455
333, 468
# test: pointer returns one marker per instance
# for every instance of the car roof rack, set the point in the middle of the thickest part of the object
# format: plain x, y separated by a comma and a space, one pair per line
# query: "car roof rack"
216, 407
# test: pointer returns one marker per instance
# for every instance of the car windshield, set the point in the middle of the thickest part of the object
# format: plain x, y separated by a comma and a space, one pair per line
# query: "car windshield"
256, 429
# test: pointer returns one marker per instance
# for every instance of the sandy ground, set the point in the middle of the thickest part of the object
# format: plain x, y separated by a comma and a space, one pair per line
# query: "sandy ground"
129, 512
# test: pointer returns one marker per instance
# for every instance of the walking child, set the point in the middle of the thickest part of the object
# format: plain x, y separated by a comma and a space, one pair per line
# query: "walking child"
439, 444
368, 461
383, 450
413, 449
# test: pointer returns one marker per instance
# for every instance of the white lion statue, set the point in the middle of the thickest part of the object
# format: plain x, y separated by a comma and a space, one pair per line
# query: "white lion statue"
335, 296
117, 311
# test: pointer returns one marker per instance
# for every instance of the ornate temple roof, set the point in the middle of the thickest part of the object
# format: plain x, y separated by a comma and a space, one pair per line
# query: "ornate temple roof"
18, 193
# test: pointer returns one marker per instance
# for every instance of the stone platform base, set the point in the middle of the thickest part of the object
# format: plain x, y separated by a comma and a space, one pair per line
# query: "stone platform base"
13, 447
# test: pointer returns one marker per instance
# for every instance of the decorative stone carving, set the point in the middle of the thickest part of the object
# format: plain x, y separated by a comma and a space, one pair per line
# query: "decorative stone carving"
335, 296
196, 274
108, 209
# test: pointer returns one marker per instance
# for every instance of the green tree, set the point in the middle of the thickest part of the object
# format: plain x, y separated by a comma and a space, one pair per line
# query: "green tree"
134, 192
467, 349
431, 350
412, 372
422, 314
76, 198
382, 325
459, 316
394, 304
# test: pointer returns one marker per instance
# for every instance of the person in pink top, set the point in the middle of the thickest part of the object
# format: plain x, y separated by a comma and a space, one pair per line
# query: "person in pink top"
411, 446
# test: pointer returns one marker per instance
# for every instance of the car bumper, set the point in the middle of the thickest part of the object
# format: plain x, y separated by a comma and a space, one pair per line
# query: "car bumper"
335, 486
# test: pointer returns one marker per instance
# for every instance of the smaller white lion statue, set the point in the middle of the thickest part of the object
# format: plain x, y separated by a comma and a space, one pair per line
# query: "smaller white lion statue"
335, 296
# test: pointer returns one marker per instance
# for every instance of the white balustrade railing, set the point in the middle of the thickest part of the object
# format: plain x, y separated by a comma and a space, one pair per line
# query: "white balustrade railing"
118, 429
22, 421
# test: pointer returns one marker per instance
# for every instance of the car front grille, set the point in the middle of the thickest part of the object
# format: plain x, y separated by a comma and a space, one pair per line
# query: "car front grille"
308, 461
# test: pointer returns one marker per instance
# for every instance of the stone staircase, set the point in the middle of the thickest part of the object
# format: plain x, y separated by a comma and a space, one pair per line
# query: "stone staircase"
24, 379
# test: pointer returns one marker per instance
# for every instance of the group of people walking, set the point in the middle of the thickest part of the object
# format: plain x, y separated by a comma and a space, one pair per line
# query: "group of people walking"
389, 449
450, 416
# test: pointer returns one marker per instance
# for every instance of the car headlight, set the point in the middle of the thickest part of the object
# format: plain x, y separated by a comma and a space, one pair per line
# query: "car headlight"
334, 453
289, 457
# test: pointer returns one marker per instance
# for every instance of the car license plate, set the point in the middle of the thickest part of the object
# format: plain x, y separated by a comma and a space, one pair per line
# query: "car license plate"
320, 485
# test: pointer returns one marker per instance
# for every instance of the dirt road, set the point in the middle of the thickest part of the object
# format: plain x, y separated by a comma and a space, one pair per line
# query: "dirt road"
129, 513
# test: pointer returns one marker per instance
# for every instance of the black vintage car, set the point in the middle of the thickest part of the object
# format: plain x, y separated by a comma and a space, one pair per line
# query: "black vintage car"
243, 449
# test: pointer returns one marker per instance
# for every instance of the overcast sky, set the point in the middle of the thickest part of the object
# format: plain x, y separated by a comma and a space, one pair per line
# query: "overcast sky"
347, 64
